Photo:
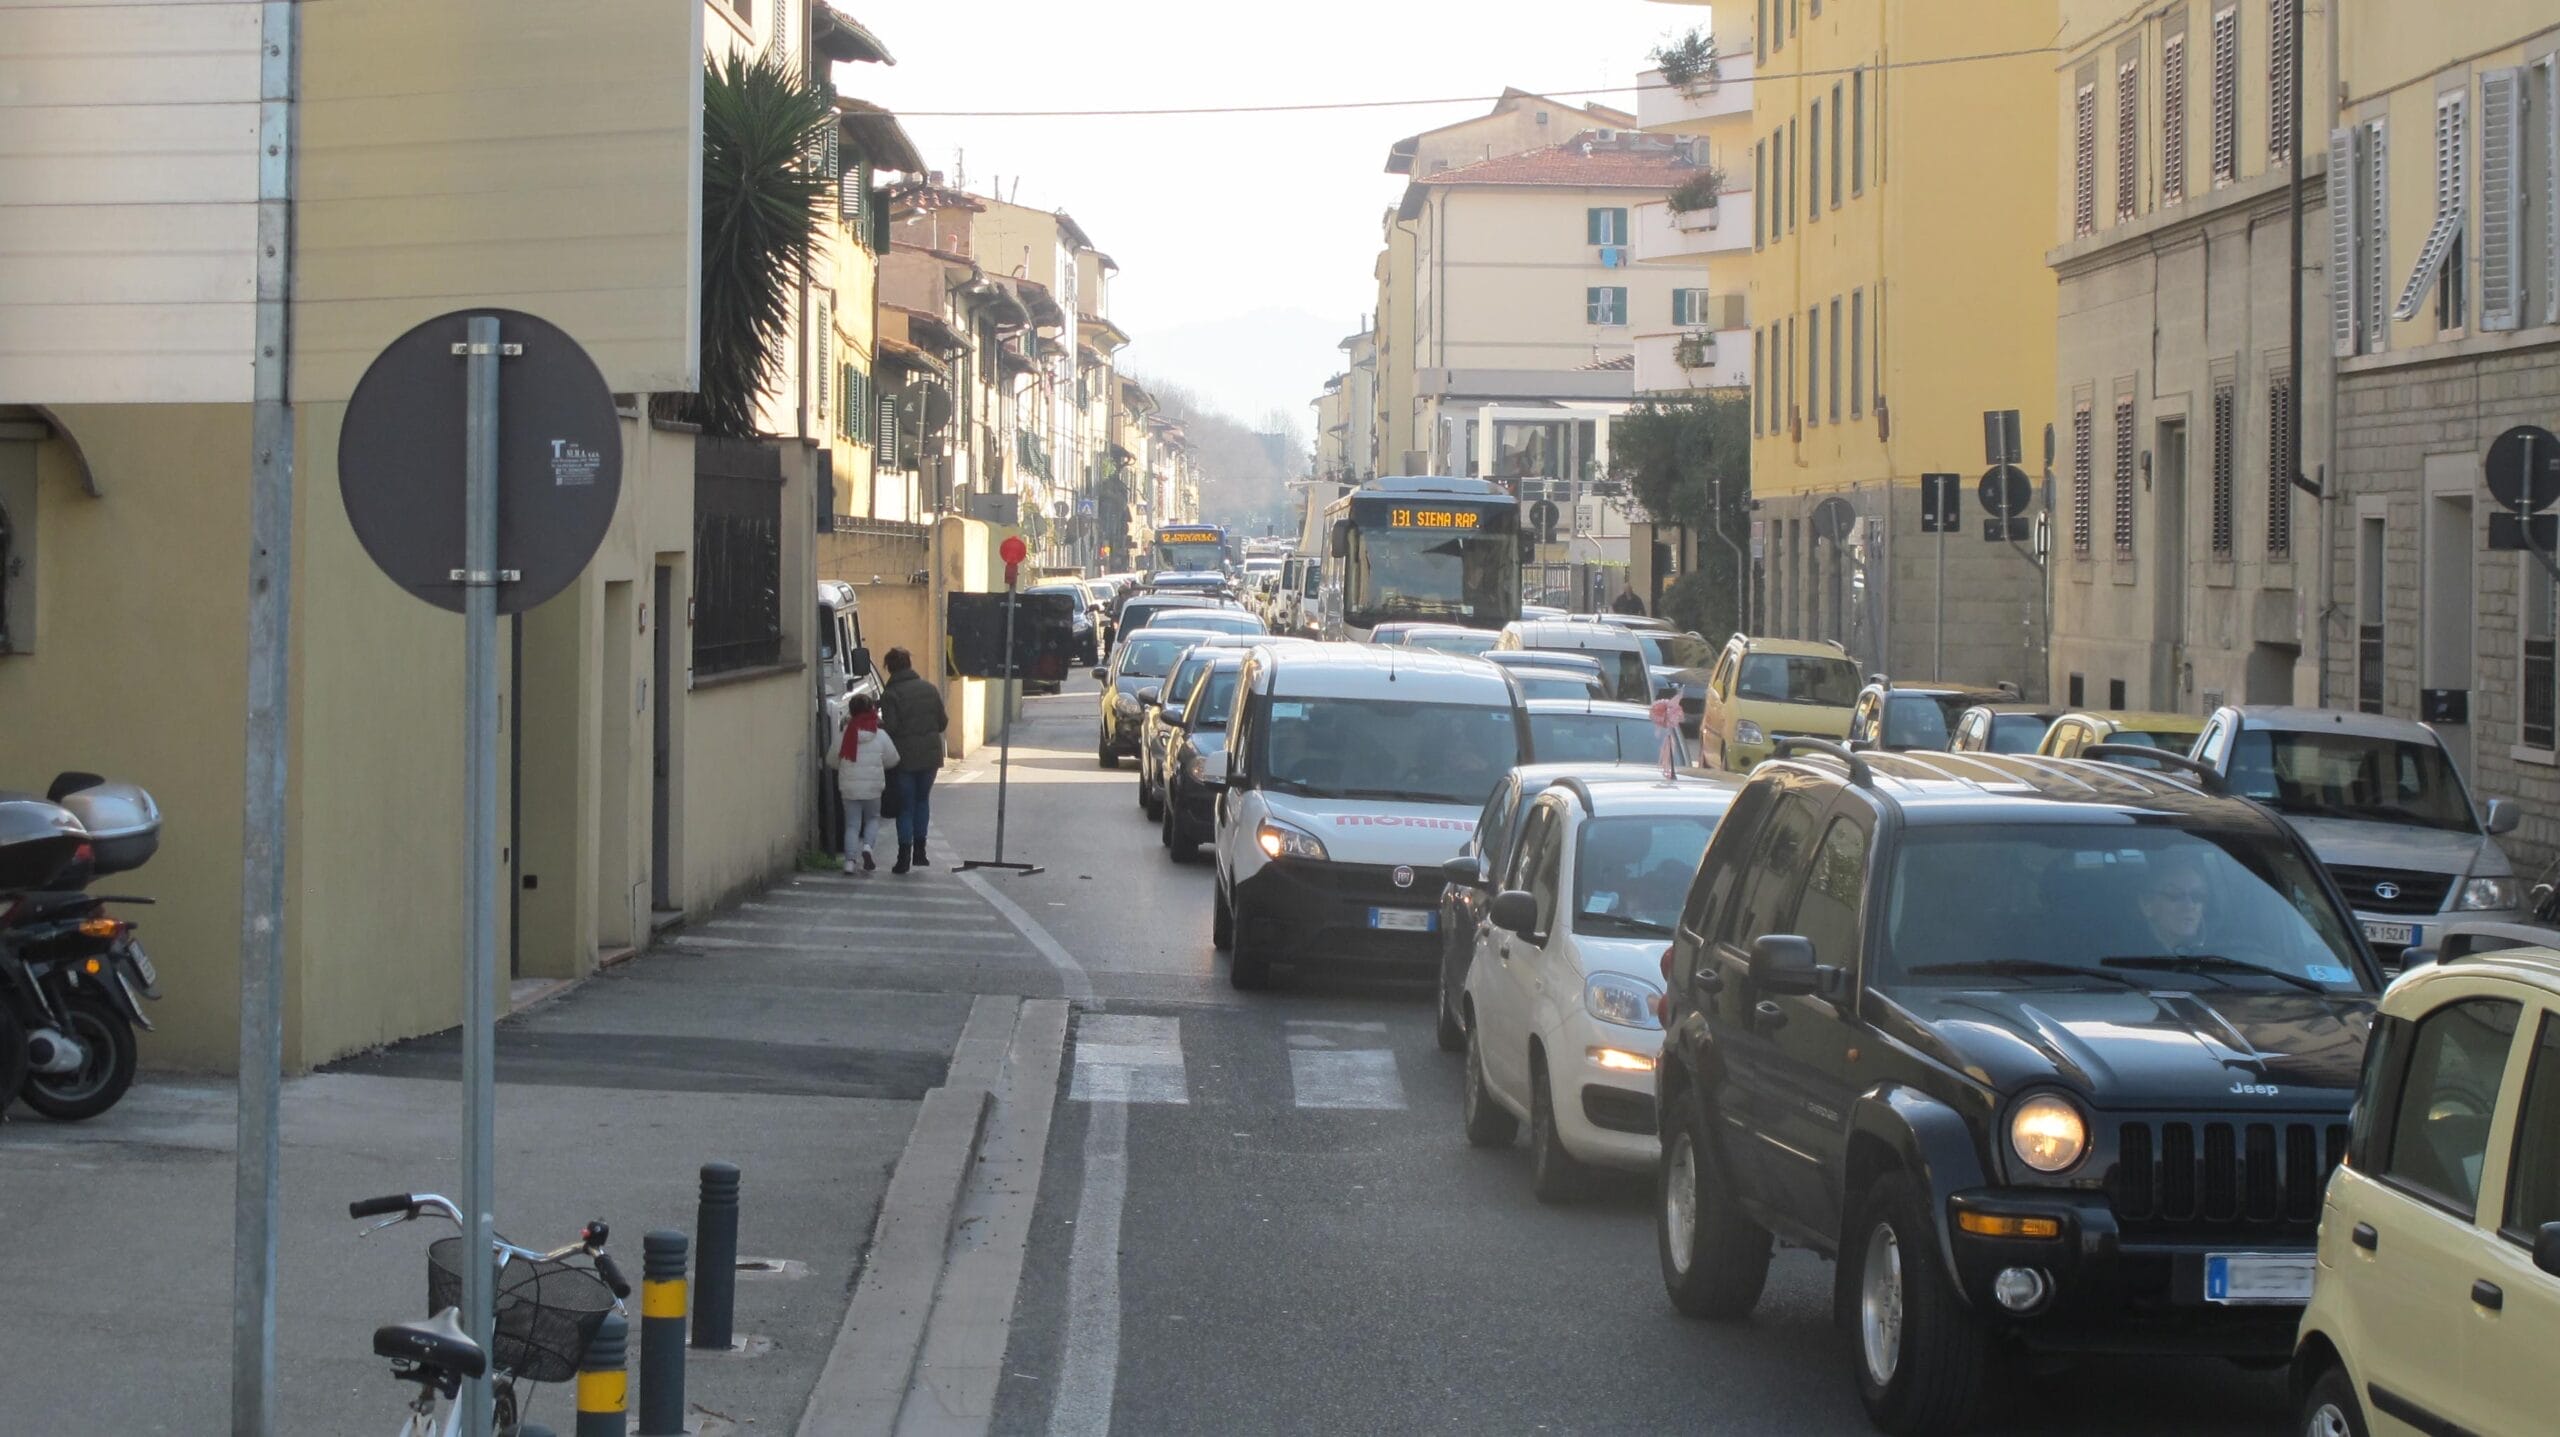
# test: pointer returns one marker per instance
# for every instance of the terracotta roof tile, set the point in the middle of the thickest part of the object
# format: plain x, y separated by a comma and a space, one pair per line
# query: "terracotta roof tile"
1566, 165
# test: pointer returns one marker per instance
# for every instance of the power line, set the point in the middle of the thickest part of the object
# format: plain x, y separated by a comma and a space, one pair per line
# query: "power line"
1173, 110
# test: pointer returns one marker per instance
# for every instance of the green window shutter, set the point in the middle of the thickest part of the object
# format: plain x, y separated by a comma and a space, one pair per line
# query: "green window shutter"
1591, 226
1591, 306
1618, 303
1617, 226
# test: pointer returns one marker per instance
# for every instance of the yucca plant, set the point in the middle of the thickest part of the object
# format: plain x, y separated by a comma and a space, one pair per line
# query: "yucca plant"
763, 189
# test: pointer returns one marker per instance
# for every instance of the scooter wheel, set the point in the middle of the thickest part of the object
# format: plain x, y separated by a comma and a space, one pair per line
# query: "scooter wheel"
103, 1075
13, 1056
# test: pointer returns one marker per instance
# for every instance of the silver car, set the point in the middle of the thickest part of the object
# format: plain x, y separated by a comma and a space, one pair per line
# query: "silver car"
2378, 799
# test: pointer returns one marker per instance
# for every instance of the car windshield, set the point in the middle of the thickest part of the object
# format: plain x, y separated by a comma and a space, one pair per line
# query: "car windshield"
1150, 658
1454, 641
1138, 616
1631, 873
1431, 574
1389, 749
1595, 738
1190, 554
2017, 733
2110, 901
1921, 720
1675, 651
1553, 685
1798, 679
1629, 680
1212, 701
2316, 774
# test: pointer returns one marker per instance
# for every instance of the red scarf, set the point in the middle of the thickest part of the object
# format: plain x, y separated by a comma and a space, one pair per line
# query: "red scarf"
855, 726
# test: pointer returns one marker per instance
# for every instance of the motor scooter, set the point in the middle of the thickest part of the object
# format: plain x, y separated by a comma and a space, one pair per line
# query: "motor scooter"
72, 975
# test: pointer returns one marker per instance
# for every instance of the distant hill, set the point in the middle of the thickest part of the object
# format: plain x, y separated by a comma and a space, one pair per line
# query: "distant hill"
1248, 364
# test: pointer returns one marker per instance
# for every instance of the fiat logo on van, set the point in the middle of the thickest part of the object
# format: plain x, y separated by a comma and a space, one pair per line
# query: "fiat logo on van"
1403, 875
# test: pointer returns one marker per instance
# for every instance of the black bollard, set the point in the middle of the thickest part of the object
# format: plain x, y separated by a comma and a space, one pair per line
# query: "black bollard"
604, 1383
715, 1265
662, 1257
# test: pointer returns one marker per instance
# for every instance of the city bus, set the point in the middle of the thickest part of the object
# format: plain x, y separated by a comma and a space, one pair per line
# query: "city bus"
1198, 548
1420, 547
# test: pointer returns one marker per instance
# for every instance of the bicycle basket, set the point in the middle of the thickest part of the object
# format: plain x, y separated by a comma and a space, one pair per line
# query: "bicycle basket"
547, 1311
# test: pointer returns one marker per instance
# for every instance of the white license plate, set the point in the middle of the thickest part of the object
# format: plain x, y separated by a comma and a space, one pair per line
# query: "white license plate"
1404, 920
2245, 1277
142, 965
2402, 934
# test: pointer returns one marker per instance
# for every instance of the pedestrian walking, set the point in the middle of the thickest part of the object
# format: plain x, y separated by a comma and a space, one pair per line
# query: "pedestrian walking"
864, 757
913, 719
1626, 602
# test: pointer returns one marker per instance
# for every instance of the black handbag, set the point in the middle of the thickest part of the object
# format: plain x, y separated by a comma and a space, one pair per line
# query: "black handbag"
890, 801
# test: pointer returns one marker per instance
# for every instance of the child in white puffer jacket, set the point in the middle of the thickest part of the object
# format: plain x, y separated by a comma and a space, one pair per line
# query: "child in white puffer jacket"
864, 756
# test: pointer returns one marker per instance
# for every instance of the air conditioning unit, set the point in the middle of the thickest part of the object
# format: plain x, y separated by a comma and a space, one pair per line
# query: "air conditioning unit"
1613, 256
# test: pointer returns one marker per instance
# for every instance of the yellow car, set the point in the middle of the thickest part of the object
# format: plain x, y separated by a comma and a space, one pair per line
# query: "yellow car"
1763, 690
2075, 731
2435, 1295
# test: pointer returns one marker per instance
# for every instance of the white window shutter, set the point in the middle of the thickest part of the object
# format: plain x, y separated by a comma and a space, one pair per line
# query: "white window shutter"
2226, 95
2084, 161
2346, 285
885, 442
2173, 120
2128, 151
2377, 235
824, 351
2501, 199
2279, 81
2449, 201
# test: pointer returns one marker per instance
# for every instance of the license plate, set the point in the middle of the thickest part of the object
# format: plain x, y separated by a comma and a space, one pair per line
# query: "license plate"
2247, 1277
2402, 934
1404, 920
142, 965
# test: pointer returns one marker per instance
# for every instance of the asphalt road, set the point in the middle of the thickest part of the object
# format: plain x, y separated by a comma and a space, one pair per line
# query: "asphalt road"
1258, 1213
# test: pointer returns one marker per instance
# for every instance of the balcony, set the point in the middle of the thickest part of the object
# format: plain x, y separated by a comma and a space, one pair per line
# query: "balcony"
1658, 106
1662, 237
1726, 352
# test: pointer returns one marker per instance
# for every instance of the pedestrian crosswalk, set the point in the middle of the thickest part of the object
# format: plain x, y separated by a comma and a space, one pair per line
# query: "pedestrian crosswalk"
1135, 1058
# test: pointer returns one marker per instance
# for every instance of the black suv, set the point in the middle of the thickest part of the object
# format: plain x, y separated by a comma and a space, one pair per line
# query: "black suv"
2047, 1054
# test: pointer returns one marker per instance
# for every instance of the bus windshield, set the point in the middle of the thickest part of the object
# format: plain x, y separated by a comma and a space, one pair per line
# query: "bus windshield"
1422, 574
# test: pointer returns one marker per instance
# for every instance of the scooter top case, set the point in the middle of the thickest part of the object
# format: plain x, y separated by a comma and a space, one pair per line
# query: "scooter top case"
37, 839
122, 822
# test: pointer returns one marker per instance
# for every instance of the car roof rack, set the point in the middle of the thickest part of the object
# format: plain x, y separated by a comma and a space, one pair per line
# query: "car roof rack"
1579, 789
1859, 773
2207, 776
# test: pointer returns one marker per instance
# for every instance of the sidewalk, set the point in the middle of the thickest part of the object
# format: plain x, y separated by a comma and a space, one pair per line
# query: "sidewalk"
793, 1036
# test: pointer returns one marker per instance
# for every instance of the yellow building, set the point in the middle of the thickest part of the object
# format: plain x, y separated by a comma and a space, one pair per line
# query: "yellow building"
1898, 291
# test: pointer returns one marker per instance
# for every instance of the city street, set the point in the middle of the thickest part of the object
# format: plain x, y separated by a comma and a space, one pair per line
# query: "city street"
1304, 1242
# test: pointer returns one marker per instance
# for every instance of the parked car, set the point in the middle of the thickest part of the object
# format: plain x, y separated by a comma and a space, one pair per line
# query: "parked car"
2052, 1055
1620, 657
1220, 616
2382, 804
1638, 622
2002, 728
2435, 1305
2073, 732
1538, 681
1763, 690
1155, 726
1548, 660
1596, 731
1901, 717
1680, 664
1189, 807
1088, 649
1562, 1023
1451, 639
1133, 682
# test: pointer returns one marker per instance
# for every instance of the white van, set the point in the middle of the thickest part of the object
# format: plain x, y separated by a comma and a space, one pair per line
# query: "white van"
1353, 774
1620, 653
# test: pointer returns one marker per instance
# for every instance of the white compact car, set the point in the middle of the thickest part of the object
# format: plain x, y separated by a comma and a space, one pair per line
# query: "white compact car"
1561, 1024
1353, 774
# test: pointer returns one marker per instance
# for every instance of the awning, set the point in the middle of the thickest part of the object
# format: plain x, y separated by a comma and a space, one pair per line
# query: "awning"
837, 36
876, 135
898, 351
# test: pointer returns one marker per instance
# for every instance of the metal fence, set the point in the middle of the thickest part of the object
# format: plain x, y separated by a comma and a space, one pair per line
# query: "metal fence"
737, 556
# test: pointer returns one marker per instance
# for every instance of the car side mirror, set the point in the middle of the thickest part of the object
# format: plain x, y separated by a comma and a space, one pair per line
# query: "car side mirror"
2502, 816
1514, 911
1103, 675
1464, 869
1782, 963
857, 664
1150, 696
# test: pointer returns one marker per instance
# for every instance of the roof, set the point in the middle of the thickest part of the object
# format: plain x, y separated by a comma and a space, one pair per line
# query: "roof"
1569, 166
2047, 712
1355, 670
2139, 720
2363, 725
1797, 648
1401, 154
1558, 660
877, 136
837, 36
1572, 634
2533, 966
1708, 793
1987, 694
1954, 787
1608, 708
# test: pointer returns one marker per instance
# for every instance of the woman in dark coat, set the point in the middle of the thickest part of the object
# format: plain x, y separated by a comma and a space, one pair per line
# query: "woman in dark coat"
912, 715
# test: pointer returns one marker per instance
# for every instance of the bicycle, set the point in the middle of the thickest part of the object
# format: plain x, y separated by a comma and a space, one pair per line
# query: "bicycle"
548, 1309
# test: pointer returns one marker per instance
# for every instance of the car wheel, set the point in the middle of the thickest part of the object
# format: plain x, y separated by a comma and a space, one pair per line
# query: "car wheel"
1248, 962
1222, 921
1488, 1123
1103, 753
1164, 825
1924, 1363
1715, 1260
1555, 1175
1451, 1034
2329, 1407
1146, 791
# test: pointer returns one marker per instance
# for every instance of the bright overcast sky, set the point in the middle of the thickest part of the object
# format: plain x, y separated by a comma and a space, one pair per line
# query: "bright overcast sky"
1244, 241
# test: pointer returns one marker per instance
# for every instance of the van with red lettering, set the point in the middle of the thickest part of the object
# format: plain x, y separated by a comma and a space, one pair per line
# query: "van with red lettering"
1352, 774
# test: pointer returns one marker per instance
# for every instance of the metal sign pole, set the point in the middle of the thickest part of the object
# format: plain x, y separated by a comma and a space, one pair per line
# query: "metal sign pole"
480, 844
1004, 742
1938, 630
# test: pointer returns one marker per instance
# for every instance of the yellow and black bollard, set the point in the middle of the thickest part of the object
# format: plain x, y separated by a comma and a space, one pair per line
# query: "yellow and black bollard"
603, 1383
662, 1305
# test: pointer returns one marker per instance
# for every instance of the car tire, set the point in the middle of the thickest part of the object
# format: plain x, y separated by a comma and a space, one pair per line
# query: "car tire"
1222, 922
1924, 1364
1715, 1259
1185, 844
1248, 968
1103, 753
1446, 1029
1488, 1123
2329, 1406
1555, 1175
1146, 791
1164, 825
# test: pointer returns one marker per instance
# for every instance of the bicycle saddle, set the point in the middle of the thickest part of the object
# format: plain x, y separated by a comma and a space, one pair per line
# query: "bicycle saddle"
438, 1342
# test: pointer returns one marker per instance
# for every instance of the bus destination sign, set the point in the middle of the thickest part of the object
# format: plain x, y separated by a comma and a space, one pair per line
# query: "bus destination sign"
1434, 519
1187, 536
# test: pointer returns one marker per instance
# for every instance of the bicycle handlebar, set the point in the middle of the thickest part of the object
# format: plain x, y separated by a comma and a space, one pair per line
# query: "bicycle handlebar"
612, 1275
377, 1206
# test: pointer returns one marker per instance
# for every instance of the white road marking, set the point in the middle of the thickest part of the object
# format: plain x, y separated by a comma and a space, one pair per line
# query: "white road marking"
840, 950
1129, 1059
914, 928
1325, 1072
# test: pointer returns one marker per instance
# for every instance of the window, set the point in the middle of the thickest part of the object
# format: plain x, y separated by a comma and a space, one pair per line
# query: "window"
1791, 176
1773, 870
2080, 481
1813, 365
823, 343
2540, 675
1688, 306
2128, 158
2226, 95
1759, 186
1858, 131
1828, 913
2115, 694
2224, 407
737, 556
1606, 304
2084, 161
2284, 433
2346, 250
1759, 383
853, 405
2279, 82
1605, 226
2439, 1134
1857, 352
2173, 119
2369, 613
2441, 255
1836, 145
2376, 194
1814, 164
1794, 416
1760, 36
2519, 185
2124, 479
2533, 1176
1835, 360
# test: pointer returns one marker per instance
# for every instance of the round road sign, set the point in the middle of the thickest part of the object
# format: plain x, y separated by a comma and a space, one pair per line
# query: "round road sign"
2524, 469
2004, 482
1013, 550
401, 458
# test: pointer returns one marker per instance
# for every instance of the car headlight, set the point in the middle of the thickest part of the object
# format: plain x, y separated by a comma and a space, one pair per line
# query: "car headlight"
1124, 701
1748, 732
2488, 893
2048, 1134
1616, 998
1279, 840
1196, 767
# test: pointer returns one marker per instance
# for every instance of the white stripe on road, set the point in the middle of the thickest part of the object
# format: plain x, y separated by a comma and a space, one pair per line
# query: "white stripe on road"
1129, 1059
882, 891
1345, 1078
840, 950
915, 926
